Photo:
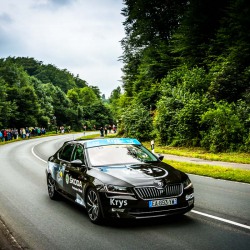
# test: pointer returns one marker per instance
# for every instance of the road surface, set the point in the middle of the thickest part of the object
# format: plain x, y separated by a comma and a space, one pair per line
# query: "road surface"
220, 220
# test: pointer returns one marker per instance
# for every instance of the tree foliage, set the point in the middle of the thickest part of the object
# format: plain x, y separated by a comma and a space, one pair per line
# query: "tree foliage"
188, 62
34, 94
136, 122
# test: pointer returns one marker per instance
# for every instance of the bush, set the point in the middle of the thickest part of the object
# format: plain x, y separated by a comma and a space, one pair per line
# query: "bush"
224, 130
136, 121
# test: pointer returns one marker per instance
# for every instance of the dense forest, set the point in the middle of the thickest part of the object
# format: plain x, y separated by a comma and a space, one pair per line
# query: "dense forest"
33, 94
186, 78
187, 73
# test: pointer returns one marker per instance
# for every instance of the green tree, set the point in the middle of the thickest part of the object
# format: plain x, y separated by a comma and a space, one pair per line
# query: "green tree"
114, 102
136, 121
148, 27
7, 108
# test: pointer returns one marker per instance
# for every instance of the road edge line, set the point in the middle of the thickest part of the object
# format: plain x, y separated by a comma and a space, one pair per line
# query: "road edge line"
33, 152
221, 219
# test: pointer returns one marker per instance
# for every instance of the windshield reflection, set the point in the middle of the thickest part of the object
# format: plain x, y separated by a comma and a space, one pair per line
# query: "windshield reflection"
119, 154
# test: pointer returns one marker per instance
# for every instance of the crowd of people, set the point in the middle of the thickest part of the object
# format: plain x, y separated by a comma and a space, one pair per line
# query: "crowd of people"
107, 129
13, 133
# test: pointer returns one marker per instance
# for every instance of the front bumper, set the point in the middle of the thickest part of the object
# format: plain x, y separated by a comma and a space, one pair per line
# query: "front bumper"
134, 207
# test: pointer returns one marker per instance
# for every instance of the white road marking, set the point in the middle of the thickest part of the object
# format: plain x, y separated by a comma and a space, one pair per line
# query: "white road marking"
32, 150
221, 219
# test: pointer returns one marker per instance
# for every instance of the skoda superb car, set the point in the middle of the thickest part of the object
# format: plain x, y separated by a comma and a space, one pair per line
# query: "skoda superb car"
118, 178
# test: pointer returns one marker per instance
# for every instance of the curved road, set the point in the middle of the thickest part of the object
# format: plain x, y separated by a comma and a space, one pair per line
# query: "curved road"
220, 220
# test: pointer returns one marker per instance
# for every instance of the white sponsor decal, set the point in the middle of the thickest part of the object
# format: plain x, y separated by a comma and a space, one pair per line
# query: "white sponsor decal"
67, 179
119, 203
155, 171
77, 189
189, 196
75, 182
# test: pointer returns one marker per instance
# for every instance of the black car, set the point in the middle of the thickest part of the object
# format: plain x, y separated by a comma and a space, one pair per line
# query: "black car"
118, 178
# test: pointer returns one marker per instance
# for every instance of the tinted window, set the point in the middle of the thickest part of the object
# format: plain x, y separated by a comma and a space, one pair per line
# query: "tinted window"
119, 154
66, 153
78, 153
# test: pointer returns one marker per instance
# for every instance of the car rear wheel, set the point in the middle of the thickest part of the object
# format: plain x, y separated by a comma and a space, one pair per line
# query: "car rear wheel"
52, 188
94, 206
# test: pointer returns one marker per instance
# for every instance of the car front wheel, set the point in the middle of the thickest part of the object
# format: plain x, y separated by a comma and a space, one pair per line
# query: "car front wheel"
52, 188
93, 206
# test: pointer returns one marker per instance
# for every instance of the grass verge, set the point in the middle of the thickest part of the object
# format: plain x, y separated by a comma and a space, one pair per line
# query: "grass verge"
202, 154
217, 172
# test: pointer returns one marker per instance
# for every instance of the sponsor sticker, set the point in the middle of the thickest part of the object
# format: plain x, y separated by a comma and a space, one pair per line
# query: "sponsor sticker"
67, 179
104, 142
119, 203
75, 182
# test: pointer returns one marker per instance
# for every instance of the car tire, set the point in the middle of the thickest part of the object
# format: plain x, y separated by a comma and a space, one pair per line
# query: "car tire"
53, 195
93, 206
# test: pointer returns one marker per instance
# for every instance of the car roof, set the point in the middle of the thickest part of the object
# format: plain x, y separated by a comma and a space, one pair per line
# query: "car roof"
109, 141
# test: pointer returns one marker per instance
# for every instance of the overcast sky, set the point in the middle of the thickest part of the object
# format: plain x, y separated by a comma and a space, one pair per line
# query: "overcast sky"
82, 36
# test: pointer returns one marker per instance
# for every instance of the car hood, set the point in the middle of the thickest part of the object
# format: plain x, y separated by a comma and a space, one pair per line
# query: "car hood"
140, 174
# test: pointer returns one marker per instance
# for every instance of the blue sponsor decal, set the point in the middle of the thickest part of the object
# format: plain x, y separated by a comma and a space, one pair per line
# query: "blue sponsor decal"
150, 203
105, 142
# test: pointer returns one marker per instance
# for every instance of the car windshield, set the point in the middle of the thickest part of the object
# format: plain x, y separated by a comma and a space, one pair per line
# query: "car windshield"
119, 154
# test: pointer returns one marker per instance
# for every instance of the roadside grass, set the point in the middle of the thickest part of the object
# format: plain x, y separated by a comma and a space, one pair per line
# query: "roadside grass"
201, 153
85, 137
217, 172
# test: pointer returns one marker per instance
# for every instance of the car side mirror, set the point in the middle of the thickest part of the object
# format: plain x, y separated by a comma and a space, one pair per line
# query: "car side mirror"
161, 157
78, 163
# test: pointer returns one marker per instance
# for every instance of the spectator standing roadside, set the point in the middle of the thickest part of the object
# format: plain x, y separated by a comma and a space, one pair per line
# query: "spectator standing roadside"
15, 133
5, 134
27, 132
43, 131
101, 132
110, 128
9, 135
1, 136
24, 133
114, 128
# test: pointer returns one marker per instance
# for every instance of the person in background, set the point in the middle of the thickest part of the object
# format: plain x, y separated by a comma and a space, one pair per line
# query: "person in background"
1, 136
101, 132
110, 128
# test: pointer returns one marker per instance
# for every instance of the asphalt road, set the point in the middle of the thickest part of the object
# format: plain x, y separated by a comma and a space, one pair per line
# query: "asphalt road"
220, 220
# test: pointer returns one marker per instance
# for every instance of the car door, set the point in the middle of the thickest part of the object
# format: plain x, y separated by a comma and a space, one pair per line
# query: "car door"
76, 173
64, 162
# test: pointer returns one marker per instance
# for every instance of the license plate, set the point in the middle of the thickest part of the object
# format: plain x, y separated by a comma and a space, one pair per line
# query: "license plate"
161, 203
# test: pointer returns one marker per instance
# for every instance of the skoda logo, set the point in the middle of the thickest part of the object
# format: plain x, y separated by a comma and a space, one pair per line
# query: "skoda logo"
67, 179
159, 184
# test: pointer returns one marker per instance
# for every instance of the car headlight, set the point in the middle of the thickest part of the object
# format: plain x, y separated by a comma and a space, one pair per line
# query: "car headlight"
187, 184
118, 189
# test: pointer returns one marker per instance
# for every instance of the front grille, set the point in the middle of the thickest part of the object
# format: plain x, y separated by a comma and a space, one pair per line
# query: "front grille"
147, 193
